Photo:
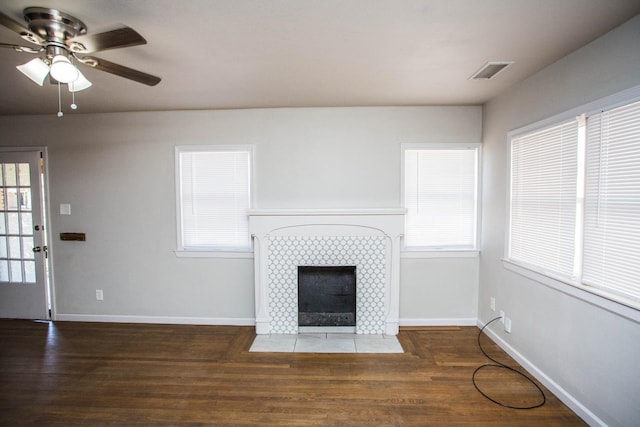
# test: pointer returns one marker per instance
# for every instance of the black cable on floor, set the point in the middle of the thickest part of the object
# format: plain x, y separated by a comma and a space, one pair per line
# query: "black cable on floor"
501, 365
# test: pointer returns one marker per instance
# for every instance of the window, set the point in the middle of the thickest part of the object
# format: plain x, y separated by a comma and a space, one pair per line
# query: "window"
612, 201
575, 201
441, 196
543, 198
213, 196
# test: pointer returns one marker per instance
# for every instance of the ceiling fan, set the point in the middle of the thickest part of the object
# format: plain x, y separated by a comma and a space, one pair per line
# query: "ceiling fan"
62, 40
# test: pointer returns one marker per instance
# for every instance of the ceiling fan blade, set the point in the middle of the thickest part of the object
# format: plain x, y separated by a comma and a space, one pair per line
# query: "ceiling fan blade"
112, 39
10, 46
120, 70
20, 29
19, 48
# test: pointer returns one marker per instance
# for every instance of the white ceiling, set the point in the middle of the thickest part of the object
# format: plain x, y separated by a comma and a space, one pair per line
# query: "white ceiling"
214, 54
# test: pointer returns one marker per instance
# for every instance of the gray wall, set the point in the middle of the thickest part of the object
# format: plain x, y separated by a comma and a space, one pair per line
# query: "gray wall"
587, 352
117, 173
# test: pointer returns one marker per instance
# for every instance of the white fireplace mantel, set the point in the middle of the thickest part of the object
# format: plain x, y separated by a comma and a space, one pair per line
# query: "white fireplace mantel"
318, 231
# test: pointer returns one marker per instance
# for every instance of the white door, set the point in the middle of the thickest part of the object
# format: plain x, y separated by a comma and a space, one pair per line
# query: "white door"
23, 251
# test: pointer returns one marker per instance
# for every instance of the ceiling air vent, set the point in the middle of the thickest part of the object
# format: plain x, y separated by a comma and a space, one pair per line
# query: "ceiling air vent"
490, 69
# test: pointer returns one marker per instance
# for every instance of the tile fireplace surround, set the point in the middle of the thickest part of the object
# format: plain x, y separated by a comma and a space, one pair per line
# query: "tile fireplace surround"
366, 238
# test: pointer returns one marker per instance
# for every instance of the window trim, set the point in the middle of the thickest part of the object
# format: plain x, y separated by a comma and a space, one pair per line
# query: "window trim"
444, 251
597, 297
601, 298
210, 252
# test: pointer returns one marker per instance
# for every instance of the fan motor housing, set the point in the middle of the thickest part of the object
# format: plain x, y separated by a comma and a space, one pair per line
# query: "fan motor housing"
52, 25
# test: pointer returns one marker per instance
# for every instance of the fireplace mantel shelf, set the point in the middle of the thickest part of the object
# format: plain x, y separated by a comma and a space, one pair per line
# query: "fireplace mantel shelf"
326, 212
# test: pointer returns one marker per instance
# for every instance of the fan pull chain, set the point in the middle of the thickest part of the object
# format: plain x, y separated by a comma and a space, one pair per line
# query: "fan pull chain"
73, 88
60, 114
73, 97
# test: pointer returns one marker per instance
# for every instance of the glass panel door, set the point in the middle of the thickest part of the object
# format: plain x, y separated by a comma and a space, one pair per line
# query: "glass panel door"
23, 292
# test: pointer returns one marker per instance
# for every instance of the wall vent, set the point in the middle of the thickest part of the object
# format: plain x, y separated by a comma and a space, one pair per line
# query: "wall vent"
490, 69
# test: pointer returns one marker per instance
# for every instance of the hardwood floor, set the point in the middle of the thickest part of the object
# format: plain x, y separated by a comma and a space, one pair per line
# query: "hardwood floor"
96, 374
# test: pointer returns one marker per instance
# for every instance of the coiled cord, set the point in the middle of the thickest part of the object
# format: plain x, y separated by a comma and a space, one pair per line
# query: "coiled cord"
501, 365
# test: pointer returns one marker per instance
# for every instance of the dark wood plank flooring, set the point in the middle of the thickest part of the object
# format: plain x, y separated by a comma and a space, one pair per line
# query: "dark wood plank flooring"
96, 374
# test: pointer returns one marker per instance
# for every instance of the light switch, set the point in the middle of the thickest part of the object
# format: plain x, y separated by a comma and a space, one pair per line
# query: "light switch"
65, 209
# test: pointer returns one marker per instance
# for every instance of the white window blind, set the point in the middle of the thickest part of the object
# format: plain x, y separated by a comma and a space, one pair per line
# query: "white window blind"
612, 201
214, 196
543, 198
441, 197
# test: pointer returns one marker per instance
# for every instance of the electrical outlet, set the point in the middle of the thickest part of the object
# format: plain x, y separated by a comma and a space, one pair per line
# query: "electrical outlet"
501, 316
99, 295
492, 304
507, 325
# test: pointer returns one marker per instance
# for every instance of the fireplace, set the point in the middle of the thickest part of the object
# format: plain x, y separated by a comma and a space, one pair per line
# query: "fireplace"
366, 240
326, 296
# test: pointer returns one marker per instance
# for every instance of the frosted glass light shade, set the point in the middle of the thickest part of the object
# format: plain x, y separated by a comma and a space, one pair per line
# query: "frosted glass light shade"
36, 69
63, 70
81, 83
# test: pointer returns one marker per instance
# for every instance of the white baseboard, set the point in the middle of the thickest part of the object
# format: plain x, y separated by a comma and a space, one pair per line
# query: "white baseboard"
169, 320
566, 398
225, 321
440, 322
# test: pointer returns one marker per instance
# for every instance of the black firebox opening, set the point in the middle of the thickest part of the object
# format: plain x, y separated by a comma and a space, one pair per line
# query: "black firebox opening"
327, 295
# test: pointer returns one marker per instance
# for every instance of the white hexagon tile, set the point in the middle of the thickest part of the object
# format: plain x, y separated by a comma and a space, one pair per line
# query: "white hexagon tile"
367, 253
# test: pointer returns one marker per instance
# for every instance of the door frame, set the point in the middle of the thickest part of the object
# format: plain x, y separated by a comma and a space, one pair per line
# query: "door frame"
48, 273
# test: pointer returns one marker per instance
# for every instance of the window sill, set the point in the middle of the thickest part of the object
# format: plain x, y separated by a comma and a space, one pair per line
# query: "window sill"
214, 254
421, 254
625, 308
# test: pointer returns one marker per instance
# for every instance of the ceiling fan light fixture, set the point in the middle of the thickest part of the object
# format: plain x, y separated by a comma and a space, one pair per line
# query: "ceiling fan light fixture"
61, 37
63, 70
81, 83
36, 69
